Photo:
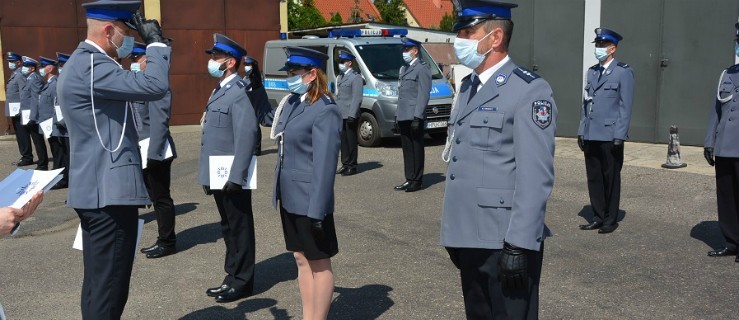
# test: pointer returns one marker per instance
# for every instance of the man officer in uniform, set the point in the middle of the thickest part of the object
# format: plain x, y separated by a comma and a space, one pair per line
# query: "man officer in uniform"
230, 129
501, 169
157, 173
604, 126
349, 98
107, 185
29, 103
721, 150
59, 132
13, 96
414, 92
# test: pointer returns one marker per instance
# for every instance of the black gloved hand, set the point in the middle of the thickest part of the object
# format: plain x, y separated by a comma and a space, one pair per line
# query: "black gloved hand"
581, 143
231, 187
151, 163
149, 30
453, 256
207, 190
618, 146
415, 124
59, 126
31, 123
316, 227
708, 154
512, 267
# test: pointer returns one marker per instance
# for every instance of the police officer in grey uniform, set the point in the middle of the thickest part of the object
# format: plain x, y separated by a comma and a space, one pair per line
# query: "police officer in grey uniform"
157, 174
414, 92
604, 126
16, 82
107, 184
230, 129
29, 103
47, 99
59, 136
349, 98
501, 169
721, 151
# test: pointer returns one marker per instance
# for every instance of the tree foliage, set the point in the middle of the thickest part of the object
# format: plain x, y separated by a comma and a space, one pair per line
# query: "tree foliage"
336, 19
392, 12
303, 15
447, 21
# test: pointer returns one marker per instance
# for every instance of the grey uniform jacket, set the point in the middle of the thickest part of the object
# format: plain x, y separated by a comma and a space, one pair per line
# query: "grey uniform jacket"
155, 125
608, 115
30, 94
414, 91
307, 157
46, 100
229, 129
13, 90
501, 170
723, 124
349, 97
101, 178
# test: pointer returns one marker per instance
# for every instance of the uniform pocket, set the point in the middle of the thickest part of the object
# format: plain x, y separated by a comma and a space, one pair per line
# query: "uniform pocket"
218, 117
486, 130
494, 213
611, 89
126, 180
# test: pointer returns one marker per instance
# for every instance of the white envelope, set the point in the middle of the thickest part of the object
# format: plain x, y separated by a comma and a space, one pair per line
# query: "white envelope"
46, 127
58, 111
15, 108
144, 149
25, 116
220, 168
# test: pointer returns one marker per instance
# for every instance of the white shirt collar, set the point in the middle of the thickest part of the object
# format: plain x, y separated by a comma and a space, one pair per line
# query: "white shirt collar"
605, 66
347, 71
413, 61
302, 97
228, 79
487, 74
52, 77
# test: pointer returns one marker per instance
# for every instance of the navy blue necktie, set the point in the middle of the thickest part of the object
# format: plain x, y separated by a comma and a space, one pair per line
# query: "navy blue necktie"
473, 90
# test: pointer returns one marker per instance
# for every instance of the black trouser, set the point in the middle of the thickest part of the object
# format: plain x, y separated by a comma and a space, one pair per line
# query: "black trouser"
484, 297
23, 139
413, 153
65, 160
237, 226
727, 197
349, 143
108, 241
157, 177
57, 151
39, 142
603, 167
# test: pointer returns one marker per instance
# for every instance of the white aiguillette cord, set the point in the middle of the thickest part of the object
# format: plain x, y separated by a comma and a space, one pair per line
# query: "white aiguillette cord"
718, 90
278, 135
450, 134
94, 117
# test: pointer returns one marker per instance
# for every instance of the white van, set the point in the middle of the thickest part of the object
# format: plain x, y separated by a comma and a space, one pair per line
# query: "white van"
378, 59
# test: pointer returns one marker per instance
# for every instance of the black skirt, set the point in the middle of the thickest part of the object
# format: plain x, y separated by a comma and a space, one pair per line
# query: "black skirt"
299, 237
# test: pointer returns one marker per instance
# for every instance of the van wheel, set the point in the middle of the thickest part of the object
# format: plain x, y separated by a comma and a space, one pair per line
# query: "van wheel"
368, 134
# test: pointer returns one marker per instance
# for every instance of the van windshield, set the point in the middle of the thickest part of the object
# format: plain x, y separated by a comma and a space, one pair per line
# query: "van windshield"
384, 60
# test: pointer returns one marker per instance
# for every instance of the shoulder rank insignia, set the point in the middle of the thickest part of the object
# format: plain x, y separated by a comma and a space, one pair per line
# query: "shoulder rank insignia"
733, 69
526, 75
623, 65
241, 84
327, 99
595, 66
541, 113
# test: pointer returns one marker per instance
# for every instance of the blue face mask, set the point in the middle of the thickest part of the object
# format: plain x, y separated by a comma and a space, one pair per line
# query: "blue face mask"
466, 51
135, 67
601, 54
214, 68
60, 70
42, 72
124, 50
12, 65
296, 85
407, 57
25, 70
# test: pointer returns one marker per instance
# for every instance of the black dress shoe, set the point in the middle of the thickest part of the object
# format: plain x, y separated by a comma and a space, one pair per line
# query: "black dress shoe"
414, 186
342, 170
591, 226
149, 249
161, 251
24, 163
349, 171
722, 253
214, 292
608, 229
232, 295
402, 186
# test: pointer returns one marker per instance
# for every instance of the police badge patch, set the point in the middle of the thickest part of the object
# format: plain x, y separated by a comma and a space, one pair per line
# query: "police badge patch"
542, 113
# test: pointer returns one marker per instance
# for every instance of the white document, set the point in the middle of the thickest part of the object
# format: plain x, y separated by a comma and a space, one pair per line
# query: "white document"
15, 108
25, 116
220, 168
144, 149
18, 188
58, 111
46, 127
78, 238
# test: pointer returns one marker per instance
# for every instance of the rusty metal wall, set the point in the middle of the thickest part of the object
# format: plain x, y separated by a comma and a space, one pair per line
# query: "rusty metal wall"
59, 25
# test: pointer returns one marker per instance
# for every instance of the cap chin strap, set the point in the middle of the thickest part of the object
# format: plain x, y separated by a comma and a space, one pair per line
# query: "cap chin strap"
94, 117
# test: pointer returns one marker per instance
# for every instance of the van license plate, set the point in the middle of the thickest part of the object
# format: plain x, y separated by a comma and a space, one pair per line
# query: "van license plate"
436, 124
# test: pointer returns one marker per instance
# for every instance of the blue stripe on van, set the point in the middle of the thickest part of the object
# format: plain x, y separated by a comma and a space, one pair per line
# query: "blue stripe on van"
275, 84
440, 90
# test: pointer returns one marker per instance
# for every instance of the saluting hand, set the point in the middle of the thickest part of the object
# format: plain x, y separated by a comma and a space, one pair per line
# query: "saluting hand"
149, 30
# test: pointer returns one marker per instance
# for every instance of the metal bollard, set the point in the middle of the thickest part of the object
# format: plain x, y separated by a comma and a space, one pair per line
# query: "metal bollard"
673, 151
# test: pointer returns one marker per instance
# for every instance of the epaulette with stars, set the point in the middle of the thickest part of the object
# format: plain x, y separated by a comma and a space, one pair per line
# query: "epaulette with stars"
526, 75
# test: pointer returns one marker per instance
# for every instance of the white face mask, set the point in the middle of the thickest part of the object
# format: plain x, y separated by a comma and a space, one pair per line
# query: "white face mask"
135, 67
296, 85
247, 69
12, 65
60, 70
407, 57
343, 67
214, 68
601, 54
42, 72
466, 51
25, 70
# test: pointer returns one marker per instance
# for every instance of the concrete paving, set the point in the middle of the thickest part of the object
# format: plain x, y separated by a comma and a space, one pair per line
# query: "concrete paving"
390, 265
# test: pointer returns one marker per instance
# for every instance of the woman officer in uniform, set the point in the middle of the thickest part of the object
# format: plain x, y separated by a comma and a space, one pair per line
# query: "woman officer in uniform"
308, 126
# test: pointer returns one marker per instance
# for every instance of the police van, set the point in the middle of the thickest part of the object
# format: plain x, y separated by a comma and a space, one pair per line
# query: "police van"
379, 57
